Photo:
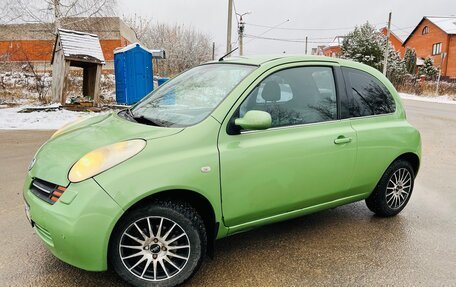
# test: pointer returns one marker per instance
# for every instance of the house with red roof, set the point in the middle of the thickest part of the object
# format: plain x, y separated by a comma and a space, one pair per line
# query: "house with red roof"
435, 38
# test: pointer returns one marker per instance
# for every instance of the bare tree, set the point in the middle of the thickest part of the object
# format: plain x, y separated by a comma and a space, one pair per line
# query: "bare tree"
53, 11
185, 46
38, 84
140, 25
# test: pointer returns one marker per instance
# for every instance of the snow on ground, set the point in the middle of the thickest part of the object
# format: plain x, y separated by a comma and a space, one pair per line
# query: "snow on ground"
11, 119
439, 99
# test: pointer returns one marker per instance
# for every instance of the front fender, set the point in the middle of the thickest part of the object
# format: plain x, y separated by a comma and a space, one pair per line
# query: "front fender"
185, 161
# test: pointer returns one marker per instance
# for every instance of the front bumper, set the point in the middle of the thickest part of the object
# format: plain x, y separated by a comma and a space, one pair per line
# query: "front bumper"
76, 228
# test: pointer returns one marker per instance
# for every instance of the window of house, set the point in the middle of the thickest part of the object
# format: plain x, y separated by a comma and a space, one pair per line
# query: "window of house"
295, 96
425, 30
436, 49
368, 95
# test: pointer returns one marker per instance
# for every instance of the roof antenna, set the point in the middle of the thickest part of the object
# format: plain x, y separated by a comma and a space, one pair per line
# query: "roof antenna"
227, 54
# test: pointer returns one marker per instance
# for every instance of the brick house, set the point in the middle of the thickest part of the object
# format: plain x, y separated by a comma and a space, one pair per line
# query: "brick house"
395, 41
435, 37
333, 49
34, 42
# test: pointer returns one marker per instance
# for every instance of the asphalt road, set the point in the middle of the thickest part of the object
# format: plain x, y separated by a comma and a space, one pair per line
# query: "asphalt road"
345, 246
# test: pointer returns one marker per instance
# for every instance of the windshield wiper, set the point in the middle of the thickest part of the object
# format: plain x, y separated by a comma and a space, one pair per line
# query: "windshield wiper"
130, 113
127, 114
148, 121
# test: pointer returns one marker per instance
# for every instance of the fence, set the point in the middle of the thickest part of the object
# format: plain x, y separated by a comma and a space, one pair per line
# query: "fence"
412, 85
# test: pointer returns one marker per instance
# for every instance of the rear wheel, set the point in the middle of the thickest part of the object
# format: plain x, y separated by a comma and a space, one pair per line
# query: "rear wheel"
393, 191
158, 245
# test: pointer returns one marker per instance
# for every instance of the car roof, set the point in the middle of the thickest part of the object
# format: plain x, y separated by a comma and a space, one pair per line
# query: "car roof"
279, 59
283, 58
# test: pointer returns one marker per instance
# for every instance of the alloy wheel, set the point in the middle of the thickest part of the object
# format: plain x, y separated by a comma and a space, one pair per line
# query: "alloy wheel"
154, 248
398, 188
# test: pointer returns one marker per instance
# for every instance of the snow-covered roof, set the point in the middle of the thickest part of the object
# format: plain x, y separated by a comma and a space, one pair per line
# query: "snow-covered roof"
157, 54
129, 47
337, 42
81, 45
447, 24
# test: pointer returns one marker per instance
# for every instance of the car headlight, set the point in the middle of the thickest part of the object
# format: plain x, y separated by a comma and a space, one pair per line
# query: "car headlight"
68, 125
104, 158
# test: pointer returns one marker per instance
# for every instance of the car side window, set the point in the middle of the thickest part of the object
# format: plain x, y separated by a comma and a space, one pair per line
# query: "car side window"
295, 96
368, 96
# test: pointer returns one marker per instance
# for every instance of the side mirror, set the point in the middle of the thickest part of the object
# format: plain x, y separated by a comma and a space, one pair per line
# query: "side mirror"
254, 120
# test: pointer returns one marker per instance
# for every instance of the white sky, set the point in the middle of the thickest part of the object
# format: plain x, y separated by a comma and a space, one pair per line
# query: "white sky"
210, 16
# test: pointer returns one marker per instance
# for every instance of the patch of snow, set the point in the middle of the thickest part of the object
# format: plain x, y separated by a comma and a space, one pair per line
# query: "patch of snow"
439, 99
39, 120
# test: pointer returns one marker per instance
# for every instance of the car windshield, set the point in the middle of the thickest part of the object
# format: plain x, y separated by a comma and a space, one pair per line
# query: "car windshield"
190, 97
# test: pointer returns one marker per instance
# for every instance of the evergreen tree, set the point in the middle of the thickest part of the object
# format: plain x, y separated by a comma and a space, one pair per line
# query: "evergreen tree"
396, 69
366, 45
428, 69
410, 61
363, 45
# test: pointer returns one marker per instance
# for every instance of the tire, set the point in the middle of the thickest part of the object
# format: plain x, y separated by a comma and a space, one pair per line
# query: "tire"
168, 257
393, 191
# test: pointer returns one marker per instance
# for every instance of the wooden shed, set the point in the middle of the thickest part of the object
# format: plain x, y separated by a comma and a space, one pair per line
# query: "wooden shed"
76, 49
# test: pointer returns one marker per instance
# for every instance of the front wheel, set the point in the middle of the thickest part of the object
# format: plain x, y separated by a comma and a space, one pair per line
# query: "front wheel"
393, 191
158, 245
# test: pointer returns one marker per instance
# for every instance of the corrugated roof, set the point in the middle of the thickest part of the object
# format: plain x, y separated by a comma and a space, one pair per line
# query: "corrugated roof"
447, 24
81, 45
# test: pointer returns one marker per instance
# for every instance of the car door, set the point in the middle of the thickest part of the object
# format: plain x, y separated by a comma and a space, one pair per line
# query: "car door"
306, 158
371, 108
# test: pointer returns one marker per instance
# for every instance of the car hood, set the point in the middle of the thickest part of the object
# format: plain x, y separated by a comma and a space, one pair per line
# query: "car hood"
55, 158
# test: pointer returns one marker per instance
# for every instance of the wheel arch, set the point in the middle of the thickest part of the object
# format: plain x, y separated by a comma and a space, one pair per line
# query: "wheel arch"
202, 205
412, 158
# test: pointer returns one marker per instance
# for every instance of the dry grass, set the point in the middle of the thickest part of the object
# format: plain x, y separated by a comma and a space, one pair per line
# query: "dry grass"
427, 88
22, 88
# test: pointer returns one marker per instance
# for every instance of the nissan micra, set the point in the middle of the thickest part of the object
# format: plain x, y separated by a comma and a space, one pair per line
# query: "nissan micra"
224, 147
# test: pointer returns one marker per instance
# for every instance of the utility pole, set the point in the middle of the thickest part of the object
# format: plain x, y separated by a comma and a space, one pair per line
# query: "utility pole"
388, 32
57, 15
306, 45
241, 27
213, 50
228, 28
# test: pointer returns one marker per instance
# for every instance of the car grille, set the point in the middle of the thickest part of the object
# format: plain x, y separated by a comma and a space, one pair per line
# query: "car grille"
46, 191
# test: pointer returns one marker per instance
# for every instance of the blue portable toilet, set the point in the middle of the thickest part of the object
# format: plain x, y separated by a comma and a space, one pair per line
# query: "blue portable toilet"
133, 71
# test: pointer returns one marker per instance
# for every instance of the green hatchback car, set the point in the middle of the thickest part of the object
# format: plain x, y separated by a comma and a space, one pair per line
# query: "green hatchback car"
225, 147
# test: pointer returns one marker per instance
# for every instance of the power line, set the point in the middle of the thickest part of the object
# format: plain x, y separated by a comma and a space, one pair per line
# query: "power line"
235, 12
410, 27
330, 29
305, 29
270, 29
285, 39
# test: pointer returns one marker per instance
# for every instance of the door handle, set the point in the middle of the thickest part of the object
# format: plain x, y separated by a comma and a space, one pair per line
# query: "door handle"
342, 140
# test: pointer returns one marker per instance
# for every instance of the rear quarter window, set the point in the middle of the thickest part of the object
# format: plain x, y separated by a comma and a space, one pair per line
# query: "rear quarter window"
367, 96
